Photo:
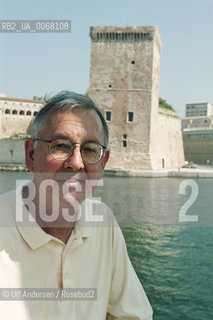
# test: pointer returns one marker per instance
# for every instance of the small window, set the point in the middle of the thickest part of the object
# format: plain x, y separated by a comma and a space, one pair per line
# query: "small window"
108, 115
21, 112
7, 111
124, 143
29, 113
125, 136
130, 116
35, 113
14, 112
110, 86
163, 163
133, 62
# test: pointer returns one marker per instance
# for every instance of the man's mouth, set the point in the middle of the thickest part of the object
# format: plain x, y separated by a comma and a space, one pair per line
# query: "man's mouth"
71, 183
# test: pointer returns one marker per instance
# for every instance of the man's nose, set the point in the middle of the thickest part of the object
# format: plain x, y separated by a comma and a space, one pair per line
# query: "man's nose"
75, 161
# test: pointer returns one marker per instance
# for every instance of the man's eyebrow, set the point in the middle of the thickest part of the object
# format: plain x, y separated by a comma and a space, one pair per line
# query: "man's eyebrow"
60, 136
65, 137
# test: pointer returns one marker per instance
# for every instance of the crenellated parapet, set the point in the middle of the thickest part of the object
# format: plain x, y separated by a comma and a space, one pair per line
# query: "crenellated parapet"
118, 36
125, 34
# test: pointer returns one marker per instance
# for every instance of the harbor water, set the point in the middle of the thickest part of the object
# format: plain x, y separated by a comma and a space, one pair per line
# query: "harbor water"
168, 227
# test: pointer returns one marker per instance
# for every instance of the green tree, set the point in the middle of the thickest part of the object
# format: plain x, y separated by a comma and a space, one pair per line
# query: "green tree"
38, 98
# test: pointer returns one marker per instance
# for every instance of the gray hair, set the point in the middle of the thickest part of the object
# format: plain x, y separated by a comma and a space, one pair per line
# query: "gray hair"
65, 101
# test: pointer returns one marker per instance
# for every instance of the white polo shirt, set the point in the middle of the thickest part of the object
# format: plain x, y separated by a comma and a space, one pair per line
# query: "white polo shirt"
95, 257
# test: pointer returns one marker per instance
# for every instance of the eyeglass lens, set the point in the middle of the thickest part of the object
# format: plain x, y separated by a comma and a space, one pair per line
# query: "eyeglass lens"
61, 149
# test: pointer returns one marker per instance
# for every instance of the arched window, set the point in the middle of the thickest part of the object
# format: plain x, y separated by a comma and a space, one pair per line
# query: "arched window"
29, 113
14, 111
35, 113
7, 111
21, 112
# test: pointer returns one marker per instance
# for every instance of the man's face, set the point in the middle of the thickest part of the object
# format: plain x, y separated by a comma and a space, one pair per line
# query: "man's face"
79, 126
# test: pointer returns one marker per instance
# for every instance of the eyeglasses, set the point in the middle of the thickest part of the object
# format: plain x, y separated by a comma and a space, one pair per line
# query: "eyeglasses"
61, 149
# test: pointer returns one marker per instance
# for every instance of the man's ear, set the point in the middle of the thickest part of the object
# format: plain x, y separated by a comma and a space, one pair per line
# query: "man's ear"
29, 154
105, 158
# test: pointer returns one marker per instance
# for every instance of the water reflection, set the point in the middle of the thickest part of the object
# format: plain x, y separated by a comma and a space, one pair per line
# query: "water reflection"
143, 201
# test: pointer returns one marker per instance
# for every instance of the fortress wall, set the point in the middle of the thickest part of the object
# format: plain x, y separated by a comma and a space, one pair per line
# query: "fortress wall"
136, 154
13, 126
168, 143
197, 122
12, 151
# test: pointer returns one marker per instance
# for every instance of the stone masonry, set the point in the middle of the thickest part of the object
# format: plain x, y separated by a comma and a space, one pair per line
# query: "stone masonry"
124, 80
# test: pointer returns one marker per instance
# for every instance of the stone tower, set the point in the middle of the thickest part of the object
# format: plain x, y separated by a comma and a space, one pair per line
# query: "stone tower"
124, 78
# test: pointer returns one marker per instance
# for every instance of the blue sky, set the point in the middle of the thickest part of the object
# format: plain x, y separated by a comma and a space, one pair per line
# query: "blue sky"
36, 64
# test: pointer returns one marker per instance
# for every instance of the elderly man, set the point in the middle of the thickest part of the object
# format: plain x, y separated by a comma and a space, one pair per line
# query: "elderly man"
55, 236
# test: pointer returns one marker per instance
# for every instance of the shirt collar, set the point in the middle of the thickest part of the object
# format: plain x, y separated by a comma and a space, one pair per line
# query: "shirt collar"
33, 234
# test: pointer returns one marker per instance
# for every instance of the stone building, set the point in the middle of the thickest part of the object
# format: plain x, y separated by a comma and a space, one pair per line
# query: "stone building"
124, 80
15, 115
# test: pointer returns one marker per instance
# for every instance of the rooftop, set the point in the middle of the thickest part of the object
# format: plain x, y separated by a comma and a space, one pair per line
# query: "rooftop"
21, 100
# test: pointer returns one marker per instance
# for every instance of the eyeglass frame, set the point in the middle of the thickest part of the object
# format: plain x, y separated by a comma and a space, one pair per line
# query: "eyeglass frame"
73, 143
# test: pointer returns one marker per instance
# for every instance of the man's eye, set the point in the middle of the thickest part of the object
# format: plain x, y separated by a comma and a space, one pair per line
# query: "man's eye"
87, 149
62, 146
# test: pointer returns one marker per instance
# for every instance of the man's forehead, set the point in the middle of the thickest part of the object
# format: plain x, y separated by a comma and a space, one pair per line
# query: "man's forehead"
80, 117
